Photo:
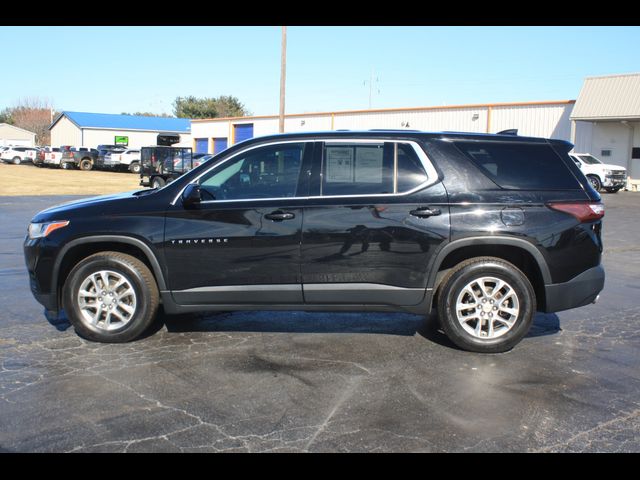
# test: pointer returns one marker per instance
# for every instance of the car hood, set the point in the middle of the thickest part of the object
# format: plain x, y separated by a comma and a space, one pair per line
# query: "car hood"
608, 166
74, 207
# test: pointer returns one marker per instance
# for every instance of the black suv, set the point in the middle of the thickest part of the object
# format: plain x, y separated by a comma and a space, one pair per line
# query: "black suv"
487, 228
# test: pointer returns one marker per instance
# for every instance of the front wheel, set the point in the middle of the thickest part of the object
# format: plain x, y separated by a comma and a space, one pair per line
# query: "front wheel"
595, 182
135, 168
17, 160
158, 182
612, 189
110, 297
486, 305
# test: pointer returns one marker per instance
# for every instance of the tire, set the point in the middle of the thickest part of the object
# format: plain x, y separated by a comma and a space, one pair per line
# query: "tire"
158, 182
129, 316
613, 190
135, 167
86, 164
66, 166
16, 160
595, 182
517, 296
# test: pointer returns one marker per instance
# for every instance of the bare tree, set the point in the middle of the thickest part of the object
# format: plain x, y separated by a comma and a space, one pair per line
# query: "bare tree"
34, 114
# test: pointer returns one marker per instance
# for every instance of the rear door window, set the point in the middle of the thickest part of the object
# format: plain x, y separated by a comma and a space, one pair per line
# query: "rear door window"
521, 166
370, 168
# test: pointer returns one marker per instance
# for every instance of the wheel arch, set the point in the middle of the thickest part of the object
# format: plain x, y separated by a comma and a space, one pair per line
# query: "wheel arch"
519, 252
74, 251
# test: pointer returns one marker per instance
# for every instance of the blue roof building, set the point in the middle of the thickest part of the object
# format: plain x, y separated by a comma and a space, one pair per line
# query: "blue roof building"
92, 129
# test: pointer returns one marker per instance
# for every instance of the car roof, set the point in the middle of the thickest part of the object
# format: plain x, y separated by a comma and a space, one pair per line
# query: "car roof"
391, 133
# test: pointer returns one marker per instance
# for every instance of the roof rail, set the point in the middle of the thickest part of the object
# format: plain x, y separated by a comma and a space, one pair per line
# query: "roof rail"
509, 131
392, 130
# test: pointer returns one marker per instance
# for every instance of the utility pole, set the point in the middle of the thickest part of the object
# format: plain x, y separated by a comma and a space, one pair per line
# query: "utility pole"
283, 75
371, 87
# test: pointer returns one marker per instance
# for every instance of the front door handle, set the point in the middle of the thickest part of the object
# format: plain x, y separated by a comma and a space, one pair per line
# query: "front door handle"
279, 216
425, 212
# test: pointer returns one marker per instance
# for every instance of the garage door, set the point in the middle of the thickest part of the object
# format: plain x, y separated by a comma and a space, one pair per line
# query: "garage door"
202, 145
242, 132
219, 144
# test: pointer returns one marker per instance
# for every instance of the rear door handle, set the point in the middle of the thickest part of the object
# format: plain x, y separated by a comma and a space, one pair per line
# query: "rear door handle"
279, 216
425, 212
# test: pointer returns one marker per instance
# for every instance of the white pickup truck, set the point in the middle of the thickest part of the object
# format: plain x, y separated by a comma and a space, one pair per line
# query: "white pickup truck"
601, 175
129, 159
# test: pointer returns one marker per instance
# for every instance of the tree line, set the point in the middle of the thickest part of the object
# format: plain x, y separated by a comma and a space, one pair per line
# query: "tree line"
36, 114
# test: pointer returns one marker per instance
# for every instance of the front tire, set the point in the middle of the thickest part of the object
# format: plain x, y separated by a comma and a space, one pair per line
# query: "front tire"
486, 305
158, 183
595, 182
16, 160
135, 168
613, 190
110, 297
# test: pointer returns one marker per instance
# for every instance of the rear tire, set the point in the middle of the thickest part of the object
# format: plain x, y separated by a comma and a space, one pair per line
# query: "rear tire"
16, 160
613, 190
486, 305
66, 166
86, 164
595, 182
117, 310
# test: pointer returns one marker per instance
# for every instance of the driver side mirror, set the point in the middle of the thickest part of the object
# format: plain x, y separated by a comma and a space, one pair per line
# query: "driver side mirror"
191, 195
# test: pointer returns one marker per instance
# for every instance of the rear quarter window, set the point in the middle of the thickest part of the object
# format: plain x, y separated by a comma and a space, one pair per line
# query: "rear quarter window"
520, 166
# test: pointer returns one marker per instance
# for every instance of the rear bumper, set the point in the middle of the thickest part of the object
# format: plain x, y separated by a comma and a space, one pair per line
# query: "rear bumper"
577, 292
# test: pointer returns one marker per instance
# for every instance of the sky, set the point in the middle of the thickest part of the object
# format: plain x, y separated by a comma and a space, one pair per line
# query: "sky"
129, 69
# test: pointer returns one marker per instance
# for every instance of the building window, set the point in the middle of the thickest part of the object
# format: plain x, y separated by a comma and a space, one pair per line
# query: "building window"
605, 153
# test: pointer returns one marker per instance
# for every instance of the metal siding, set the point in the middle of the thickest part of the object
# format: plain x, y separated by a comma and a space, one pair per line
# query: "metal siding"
616, 96
547, 121
65, 132
10, 135
93, 138
551, 120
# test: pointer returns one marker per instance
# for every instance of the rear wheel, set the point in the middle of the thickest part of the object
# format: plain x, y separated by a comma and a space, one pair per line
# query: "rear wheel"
486, 305
110, 297
66, 166
86, 164
16, 160
612, 189
595, 182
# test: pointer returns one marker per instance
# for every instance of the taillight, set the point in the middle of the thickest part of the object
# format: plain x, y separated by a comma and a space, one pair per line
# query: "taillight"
584, 212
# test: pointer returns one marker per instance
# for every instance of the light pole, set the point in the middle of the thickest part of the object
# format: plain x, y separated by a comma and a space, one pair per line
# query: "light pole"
283, 75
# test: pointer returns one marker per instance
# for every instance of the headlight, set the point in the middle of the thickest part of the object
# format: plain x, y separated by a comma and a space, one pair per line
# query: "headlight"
41, 230
608, 172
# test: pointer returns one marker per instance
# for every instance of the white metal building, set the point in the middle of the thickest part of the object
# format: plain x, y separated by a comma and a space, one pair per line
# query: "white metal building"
12, 135
606, 122
539, 119
93, 129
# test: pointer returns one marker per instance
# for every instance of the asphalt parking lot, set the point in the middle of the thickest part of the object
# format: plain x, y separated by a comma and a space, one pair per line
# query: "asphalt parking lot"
295, 381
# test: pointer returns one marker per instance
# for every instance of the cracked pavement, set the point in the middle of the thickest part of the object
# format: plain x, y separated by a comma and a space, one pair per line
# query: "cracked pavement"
327, 382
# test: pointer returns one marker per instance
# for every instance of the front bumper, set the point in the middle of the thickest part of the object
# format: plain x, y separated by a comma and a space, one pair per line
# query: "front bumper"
614, 181
581, 290
39, 262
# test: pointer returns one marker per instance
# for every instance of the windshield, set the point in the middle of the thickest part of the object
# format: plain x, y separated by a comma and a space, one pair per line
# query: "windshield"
590, 159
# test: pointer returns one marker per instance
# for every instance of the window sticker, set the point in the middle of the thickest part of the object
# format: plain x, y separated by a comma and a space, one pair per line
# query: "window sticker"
369, 165
339, 164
